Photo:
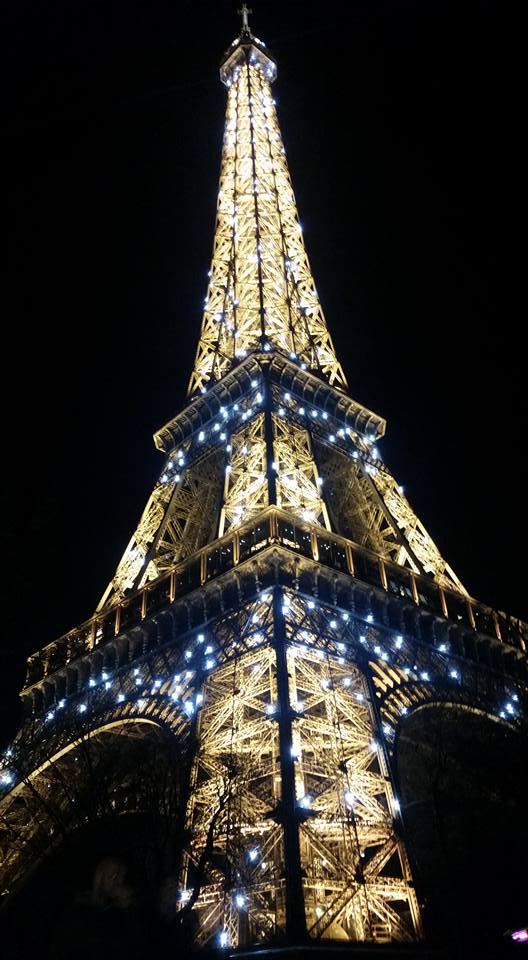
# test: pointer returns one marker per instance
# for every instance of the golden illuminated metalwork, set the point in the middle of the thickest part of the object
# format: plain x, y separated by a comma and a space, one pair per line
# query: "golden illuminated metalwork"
261, 292
279, 608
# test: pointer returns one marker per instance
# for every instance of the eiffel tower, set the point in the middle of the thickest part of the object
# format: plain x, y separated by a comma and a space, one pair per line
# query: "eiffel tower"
280, 608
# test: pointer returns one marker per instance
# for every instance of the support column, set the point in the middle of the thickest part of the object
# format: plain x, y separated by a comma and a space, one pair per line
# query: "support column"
270, 447
295, 913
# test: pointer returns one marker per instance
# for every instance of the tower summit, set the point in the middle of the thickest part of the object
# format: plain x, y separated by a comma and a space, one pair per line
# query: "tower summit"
278, 612
261, 295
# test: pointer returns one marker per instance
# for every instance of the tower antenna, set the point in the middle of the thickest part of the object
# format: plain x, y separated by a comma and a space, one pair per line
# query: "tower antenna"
244, 12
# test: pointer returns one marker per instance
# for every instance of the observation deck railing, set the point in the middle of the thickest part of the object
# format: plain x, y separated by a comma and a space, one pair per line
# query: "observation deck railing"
273, 526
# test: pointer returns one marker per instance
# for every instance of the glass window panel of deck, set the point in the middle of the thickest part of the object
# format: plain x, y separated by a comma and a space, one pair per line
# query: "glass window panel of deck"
332, 553
429, 595
367, 568
484, 621
399, 581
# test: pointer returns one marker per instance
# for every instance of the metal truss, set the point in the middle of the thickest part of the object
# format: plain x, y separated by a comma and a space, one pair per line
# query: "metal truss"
370, 506
280, 606
355, 876
261, 294
246, 485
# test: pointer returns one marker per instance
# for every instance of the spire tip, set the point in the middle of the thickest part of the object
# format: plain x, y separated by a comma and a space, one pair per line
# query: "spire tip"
244, 13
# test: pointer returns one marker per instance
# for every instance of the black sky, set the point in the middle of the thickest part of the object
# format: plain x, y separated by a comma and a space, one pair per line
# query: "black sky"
400, 121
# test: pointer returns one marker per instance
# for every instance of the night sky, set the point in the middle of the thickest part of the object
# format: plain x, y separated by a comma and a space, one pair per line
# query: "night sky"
400, 122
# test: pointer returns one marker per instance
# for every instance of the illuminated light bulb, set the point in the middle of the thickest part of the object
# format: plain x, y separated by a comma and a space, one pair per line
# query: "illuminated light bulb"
254, 383
253, 854
347, 681
373, 746
108, 685
404, 710
267, 347
188, 706
424, 675
141, 704
398, 642
396, 805
515, 697
349, 798
223, 938
325, 684
203, 390
82, 708
359, 696
314, 413
136, 671
509, 708
454, 674
302, 411
333, 624
303, 366
120, 697
377, 650
294, 754
332, 438
209, 664
341, 647
281, 411
386, 729
362, 639
311, 604
370, 618
287, 396
50, 715
157, 684
318, 911
324, 415
240, 901
201, 436
91, 682
61, 704
442, 648
188, 654
270, 708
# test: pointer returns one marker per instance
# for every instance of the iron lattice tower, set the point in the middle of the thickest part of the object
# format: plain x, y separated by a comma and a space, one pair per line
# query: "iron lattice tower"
279, 604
